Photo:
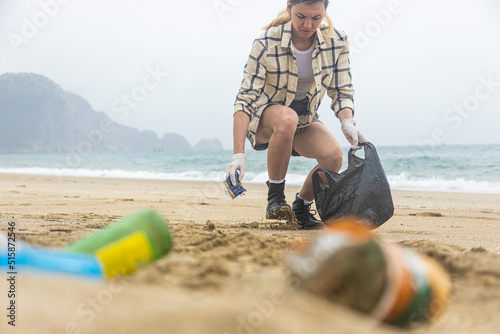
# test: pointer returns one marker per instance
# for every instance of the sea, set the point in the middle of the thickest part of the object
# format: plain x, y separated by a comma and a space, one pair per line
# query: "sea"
451, 168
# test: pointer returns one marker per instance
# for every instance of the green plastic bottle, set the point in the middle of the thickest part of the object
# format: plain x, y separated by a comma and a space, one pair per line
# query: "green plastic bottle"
125, 246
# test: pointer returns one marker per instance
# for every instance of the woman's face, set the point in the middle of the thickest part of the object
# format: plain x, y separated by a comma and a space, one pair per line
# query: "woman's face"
306, 18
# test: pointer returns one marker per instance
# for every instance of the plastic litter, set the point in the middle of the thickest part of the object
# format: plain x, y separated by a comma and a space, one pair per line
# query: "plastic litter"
350, 265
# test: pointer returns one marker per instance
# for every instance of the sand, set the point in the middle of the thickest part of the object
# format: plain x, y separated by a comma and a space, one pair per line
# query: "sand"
227, 271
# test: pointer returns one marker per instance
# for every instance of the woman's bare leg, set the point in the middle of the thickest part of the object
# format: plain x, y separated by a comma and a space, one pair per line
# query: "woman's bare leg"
277, 127
317, 142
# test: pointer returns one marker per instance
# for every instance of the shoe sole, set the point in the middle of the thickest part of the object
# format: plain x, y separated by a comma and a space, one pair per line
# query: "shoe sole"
311, 228
283, 213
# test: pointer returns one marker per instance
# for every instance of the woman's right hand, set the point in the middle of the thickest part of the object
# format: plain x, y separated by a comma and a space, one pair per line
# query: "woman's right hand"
238, 162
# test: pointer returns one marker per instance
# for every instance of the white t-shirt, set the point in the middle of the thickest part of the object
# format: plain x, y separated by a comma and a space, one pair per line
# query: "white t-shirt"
306, 74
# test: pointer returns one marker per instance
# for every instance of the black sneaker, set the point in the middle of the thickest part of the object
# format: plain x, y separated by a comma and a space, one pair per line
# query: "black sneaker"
304, 215
277, 208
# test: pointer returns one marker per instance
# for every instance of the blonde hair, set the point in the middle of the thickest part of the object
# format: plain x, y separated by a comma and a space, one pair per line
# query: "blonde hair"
284, 16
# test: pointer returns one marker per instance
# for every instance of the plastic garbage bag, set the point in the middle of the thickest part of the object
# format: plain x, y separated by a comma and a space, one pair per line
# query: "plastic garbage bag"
362, 190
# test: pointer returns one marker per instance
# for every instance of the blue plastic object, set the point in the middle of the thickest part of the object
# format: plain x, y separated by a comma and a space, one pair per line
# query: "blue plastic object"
27, 258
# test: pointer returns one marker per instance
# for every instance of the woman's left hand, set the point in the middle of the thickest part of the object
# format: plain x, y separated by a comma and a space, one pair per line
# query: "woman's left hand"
352, 134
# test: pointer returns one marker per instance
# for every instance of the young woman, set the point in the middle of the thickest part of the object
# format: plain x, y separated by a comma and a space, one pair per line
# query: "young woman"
290, 68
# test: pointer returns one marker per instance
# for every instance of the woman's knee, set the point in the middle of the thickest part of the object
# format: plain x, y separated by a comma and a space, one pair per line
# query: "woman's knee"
277, 119
285, 120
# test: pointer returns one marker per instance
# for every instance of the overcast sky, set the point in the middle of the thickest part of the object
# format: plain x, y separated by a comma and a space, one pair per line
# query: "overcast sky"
425, 71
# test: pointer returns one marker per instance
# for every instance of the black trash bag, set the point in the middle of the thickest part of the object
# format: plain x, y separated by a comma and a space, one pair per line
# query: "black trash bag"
362, 190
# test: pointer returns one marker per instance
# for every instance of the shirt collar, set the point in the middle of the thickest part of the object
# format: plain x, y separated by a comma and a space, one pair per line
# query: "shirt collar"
286, 36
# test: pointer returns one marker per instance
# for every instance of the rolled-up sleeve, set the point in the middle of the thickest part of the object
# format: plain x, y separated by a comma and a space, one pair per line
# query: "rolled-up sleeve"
254, 78
341, 89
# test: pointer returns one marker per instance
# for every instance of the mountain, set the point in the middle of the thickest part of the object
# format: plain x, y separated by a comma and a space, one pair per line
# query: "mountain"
38, 116
172, 142
208, 145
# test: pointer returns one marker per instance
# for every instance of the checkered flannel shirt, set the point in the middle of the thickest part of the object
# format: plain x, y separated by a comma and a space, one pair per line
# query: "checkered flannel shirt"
270, 75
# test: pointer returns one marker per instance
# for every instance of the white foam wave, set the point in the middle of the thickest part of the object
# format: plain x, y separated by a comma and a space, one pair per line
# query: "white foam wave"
405, 182
398, 182
292, 179
116, 173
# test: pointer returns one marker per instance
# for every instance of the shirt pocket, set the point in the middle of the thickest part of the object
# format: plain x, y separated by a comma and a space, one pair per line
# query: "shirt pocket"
277, 73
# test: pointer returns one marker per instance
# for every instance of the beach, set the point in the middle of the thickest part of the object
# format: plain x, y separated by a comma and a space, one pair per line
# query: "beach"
227, 270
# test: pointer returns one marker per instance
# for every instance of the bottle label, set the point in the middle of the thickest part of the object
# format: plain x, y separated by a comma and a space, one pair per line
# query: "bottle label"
126, 255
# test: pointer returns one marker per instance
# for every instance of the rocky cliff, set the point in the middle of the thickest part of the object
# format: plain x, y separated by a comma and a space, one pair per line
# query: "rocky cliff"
38, 116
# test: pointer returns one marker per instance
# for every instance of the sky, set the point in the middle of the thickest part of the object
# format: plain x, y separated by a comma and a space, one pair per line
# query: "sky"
426, 72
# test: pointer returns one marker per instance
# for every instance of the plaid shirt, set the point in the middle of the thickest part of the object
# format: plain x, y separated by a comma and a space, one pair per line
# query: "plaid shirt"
270, 75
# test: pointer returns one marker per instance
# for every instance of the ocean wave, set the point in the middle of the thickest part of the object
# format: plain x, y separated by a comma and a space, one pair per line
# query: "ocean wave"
116, 173
405, 182
292, 179
401, 181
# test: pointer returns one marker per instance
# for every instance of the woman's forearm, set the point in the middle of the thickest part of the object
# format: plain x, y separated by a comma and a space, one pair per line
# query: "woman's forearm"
240, 128
345, 113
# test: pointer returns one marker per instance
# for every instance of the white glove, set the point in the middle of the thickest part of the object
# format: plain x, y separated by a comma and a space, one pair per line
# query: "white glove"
238, 162
353, 135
